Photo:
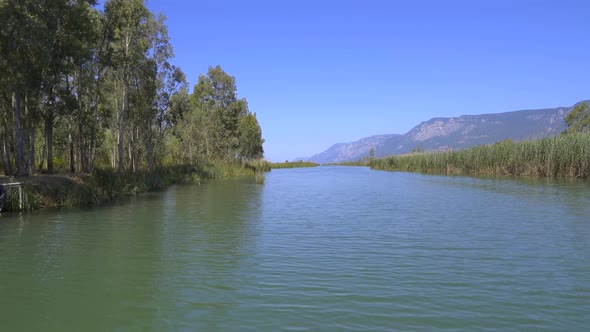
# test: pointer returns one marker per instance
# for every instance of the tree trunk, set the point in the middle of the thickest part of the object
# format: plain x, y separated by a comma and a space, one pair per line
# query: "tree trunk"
49, 140
114, 159
43, 153
72, 154
30, 134
149, 155
32, 150
83, 109
8, 158
5, 147
19, 156
122, 126
3, 159
149, 147
83, 148
92, 147
130, 156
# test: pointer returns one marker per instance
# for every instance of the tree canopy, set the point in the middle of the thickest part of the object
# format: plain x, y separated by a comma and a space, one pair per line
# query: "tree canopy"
81, 88
578, 119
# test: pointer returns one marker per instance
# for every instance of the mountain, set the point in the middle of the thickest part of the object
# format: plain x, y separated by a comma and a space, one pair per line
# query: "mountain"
351, 151
442, 134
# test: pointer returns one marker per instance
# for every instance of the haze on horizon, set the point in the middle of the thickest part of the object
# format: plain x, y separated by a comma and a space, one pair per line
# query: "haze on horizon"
322, 72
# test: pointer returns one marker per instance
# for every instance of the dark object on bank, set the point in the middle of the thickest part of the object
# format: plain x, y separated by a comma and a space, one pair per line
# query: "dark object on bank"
3, 196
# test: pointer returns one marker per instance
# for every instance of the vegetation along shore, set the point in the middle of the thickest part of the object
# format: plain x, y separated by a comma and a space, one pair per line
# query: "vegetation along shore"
567, 155
107, 185
294, 164
93, 96
92, 107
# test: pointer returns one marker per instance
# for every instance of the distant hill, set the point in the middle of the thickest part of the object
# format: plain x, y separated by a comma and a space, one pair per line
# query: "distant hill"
351, 151
441, 134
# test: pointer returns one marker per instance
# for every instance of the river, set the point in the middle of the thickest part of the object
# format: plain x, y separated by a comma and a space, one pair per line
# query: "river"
318, 249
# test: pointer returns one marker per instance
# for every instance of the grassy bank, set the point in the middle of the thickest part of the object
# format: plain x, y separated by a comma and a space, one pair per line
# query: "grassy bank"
363, 163
563, 156
294, 164
106, 185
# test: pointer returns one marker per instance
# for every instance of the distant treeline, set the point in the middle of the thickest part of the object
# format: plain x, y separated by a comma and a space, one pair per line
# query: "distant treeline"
565, 156
293, 164
83, 88
363, 162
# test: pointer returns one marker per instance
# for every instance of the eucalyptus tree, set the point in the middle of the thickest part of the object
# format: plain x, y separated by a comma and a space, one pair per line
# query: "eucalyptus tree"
5, 129
68, 80
85, 44
188, 129
40, 42
250, 145
108, 78
21, 34
219, 124
165, 81
217, 109
127, 21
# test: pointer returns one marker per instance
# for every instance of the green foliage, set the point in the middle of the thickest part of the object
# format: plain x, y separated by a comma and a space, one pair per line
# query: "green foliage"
82, 88
259, 165
12, 202
578, 119
216, 112
294, 164
250, 144
216, 125
565, 156
363, 162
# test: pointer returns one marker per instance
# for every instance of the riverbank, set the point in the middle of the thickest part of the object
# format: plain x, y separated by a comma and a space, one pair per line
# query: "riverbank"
294, 164
106, 185
563, 156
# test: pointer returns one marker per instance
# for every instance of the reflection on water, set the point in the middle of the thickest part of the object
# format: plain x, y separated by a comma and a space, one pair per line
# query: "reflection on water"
209, 232
329, 248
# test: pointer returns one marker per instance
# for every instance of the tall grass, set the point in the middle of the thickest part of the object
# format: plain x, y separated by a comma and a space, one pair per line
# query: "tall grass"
105, 185
563, 156
294, 164
259, 165
13, 203
112, 184
362, 162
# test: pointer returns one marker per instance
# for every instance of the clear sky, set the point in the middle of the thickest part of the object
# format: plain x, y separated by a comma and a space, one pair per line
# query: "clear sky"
323, 72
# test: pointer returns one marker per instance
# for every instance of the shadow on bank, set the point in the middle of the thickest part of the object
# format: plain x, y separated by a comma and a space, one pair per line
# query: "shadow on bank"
106, 185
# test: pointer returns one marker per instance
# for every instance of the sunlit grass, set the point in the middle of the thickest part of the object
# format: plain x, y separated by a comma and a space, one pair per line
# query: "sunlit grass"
563, 156
294, 164
105, 184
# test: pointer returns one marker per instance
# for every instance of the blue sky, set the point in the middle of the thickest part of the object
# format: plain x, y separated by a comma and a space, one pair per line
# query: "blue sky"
322, 72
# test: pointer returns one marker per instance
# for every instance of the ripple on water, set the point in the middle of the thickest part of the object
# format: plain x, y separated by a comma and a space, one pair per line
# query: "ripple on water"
331, 248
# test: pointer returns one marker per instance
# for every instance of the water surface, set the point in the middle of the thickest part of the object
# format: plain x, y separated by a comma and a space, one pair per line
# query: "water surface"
329, 248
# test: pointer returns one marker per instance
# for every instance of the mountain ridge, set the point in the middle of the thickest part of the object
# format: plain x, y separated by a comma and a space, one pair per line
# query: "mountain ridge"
445, 133
341, 152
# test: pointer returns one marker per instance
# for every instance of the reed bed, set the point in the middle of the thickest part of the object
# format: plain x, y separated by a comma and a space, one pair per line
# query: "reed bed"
105, 185
563, 156
112, 184
294, 164
13, 204
362, 163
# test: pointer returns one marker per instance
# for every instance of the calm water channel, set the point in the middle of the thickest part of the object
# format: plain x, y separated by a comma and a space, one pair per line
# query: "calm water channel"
322, 249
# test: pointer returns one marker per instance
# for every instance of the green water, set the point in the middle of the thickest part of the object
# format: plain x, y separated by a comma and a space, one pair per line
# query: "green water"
320, 249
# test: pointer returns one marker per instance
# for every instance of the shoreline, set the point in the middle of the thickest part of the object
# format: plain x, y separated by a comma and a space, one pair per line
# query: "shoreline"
104, 186
565, 156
